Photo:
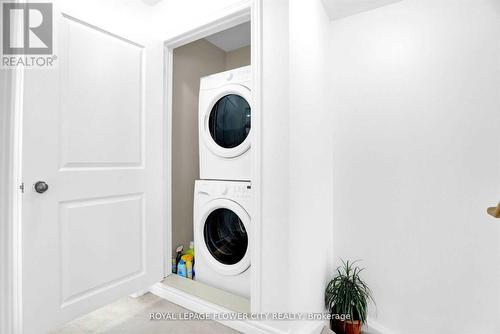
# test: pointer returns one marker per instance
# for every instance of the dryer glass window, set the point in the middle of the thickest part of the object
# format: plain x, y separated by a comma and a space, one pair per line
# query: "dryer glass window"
225, 236
229, 121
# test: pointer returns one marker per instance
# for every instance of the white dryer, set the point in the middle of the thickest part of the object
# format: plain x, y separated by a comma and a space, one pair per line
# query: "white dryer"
224, 125
222, 230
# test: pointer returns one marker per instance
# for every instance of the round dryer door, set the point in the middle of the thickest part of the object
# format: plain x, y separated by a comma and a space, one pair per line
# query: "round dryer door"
228, 122
225, 230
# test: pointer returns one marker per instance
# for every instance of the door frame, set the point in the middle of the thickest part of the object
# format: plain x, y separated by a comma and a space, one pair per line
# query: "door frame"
244, 11
11, 97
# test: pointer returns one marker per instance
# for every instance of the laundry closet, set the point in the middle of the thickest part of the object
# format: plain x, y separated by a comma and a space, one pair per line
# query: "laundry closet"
211, 168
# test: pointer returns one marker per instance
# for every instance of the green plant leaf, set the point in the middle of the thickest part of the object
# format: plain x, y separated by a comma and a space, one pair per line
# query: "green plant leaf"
347, 293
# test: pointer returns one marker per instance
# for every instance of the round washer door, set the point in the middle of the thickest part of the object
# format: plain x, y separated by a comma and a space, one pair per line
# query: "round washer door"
227, 121
224, 227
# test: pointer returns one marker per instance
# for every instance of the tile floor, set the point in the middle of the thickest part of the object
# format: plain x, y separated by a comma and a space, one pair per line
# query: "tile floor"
131, 316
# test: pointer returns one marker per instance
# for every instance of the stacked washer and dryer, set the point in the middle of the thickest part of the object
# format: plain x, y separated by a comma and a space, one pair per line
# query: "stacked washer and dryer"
222, 198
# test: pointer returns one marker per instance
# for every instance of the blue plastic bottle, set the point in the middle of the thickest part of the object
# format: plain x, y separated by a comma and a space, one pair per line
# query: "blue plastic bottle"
181, 269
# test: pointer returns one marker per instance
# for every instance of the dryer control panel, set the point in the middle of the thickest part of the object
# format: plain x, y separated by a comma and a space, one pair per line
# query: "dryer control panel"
242, 76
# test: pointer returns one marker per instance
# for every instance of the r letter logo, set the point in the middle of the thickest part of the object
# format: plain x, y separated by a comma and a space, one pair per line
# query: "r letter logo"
27, 30
35, 19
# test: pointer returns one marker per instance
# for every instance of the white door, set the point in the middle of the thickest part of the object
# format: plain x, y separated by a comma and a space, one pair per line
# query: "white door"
92, 133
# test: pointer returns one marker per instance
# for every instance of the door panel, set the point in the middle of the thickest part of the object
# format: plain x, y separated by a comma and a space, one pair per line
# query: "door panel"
94, 234
103, 93
92, 129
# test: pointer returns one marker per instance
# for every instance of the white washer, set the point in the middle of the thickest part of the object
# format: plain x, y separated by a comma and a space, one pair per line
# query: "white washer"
224, 125
222, 230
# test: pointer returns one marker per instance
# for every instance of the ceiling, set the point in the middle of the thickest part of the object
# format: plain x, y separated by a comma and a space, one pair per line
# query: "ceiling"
232, 38
337, 9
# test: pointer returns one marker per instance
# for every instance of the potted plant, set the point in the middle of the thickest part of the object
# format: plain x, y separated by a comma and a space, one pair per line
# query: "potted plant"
347, 297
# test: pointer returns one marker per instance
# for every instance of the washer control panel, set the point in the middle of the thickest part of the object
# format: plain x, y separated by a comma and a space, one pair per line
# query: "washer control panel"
241, 190
231, 189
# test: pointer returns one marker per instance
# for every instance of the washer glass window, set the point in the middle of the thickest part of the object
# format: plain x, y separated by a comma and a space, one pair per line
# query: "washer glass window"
229, 122
225, 236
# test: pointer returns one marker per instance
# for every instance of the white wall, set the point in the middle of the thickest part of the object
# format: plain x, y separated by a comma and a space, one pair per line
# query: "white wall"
275, 156
311, 158
415, 93
238, 58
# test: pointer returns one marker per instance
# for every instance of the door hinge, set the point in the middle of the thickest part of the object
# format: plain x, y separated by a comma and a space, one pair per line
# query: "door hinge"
21, 186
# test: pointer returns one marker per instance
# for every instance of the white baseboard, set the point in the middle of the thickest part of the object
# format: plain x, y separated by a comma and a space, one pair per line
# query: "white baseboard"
374, 327
309, 327
199, 305
139, 293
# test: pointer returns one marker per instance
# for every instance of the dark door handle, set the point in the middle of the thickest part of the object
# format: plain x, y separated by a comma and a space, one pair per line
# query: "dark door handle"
41, 187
